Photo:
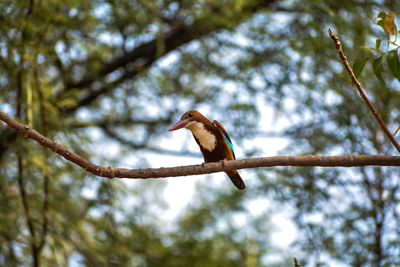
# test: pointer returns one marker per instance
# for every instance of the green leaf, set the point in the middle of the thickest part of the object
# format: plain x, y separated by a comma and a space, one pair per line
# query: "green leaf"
394, 64
359, 65
381, 23
366, 47
377, 67
239, 5
67, 102
382, 15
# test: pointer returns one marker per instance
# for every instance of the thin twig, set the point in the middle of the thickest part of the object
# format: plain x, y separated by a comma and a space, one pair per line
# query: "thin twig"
110, 172
25, 205
346, 64
396, 131
28, 215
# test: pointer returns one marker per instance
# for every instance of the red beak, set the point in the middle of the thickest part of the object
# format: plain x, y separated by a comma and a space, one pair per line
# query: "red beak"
178, 125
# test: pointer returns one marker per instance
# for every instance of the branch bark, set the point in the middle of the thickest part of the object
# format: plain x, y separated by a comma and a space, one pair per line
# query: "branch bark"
110, 172
346, 64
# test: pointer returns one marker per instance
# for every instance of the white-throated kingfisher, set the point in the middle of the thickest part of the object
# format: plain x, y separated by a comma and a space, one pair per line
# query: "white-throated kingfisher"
213, 140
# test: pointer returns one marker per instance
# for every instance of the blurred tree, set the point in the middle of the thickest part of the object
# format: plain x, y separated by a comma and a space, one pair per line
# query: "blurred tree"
123, 69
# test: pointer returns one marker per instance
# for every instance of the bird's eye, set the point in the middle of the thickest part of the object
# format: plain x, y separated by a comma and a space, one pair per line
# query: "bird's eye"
190, 115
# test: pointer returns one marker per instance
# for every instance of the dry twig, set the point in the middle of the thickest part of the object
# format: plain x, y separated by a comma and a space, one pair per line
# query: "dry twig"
346, 64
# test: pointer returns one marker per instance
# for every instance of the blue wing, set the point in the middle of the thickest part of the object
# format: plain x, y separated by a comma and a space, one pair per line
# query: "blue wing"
226, 136
230, 145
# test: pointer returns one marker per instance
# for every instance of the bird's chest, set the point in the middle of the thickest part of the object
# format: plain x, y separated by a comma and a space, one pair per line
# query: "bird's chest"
211, 146
204, 137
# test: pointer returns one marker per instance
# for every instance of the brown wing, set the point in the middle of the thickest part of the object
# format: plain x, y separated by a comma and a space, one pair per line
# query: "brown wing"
226, 136
219, 125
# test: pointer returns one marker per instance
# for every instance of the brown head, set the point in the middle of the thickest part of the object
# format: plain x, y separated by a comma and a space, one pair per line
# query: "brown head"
187, 118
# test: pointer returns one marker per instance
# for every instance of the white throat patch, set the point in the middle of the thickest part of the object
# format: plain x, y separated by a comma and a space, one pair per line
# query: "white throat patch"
206, 139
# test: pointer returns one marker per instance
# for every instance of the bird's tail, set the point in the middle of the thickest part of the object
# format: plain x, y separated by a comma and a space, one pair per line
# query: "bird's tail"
236, 179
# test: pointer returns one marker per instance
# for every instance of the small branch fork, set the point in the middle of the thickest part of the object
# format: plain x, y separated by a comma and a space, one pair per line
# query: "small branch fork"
110, 172
346, 64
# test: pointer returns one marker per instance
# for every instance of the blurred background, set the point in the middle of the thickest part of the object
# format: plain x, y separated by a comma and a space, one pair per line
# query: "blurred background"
107, 78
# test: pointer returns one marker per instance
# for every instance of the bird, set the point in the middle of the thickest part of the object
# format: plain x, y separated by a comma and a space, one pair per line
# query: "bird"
213, 140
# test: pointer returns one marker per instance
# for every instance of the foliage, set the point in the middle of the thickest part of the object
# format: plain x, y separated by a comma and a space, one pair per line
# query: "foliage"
106, 78
387, 22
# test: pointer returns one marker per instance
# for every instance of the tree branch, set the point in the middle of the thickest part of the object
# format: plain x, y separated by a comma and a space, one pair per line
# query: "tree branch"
346, 64
110, 172
22, 190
